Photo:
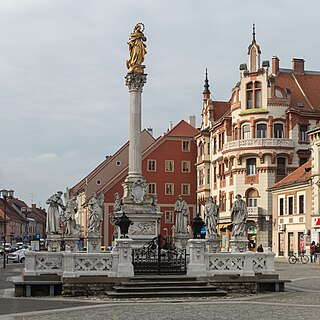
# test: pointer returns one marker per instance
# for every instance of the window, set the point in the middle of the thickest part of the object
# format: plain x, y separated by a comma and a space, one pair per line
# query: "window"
168, 217
302, 161
252, 198
253, 95
208, 176
281, 206
281, 166
214, 145
221, 140
290, 205
201, 149
236, 133
278, 130
152, 188
251, 167
303, 136
185, 166
118, 163
98, 182
201, 177
208, 145
169, 188
214, 174
301, 203
169, 166
151, 165
185, 145
185, 189
261, 130
246, 132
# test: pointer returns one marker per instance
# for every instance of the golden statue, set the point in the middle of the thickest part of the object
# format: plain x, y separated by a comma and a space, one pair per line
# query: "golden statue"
137, 49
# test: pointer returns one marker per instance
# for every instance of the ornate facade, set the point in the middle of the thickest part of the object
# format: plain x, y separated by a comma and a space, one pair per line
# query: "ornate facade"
255, 139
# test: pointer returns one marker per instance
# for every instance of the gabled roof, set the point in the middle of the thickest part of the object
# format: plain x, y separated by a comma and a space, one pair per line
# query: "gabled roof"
220, 108
305, 88
298, 176
182, 129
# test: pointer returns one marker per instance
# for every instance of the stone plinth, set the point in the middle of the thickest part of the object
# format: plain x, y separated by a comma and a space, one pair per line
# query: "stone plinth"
54, 242
93, 242
71, 243
239, 244
181, 240
125, 266
146, 226
214, 244
197, 265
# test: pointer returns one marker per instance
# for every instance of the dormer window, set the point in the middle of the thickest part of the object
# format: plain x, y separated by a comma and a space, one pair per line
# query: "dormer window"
254, 95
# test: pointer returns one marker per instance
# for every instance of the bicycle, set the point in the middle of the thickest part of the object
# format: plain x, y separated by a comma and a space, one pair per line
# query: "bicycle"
293, 258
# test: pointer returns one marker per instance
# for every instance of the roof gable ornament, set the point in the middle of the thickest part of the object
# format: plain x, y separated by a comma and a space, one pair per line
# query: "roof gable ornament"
254, 52
206, 84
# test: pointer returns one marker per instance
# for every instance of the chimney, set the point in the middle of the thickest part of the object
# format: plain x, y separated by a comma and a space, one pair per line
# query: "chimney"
170, 125
192, 120
34, 206
298, 66
275, 64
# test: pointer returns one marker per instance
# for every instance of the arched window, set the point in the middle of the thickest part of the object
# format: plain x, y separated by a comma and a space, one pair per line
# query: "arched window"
261, 130
246, 131
252, 198
278, 130
236, 133
254, 95
281, 166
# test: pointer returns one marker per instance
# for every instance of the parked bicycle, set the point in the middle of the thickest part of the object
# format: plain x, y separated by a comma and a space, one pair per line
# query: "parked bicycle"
293, 258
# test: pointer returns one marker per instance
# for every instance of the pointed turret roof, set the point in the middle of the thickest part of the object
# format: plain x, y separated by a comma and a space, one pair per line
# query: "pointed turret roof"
206, 84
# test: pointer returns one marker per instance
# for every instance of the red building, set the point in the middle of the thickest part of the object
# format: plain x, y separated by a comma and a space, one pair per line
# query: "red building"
168, 166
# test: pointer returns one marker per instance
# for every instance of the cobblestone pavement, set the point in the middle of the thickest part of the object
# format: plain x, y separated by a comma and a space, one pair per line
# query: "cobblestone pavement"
301, 300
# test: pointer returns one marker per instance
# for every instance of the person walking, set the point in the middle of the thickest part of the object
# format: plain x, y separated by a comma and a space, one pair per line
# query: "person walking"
313, 255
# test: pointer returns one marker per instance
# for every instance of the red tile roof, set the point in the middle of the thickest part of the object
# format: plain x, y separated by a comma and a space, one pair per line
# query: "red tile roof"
298, 176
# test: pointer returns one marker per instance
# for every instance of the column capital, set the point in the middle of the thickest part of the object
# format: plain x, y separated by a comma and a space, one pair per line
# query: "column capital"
135, 81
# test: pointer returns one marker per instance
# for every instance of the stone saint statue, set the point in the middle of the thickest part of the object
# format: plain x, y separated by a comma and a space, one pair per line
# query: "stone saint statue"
53, 216
182, 212
137, 49
211, 211
239, 214
95, 208
69, 214
117, 203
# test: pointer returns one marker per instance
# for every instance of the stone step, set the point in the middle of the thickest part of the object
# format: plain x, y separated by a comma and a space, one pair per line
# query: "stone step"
163, 294
164, 288
163, 283
163, 278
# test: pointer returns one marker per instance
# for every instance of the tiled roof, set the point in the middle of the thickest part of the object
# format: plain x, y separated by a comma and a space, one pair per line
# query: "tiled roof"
220, 108
298, 176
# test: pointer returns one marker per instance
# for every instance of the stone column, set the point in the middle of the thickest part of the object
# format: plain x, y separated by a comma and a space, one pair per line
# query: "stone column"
197, 265
135, 83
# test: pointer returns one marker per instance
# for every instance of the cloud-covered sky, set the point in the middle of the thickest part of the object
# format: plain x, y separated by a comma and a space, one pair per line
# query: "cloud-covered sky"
64, 105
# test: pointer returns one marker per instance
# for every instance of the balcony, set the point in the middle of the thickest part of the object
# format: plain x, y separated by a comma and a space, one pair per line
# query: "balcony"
258, 142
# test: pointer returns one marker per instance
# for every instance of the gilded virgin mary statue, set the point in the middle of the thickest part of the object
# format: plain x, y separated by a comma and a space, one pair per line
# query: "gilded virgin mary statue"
137, 50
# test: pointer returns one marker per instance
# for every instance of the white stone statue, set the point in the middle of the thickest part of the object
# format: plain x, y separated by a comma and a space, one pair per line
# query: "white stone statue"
239, 215
117, 203
95, 208
53, 216
69, 214
211, 211
182, 212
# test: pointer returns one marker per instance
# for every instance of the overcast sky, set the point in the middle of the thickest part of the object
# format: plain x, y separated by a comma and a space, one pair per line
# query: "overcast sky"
64, 105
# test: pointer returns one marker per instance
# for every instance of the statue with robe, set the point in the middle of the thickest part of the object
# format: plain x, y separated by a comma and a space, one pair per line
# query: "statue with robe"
239, 215
211, 211
95, 208
182, 213
53, 216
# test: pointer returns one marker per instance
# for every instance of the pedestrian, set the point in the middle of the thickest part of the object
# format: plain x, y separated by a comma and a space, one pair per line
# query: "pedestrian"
313, 255
260, 248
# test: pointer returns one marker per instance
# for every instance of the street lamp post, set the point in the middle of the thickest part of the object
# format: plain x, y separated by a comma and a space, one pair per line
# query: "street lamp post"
5, 194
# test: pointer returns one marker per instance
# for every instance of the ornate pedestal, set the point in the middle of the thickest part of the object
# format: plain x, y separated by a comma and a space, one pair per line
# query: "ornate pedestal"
93, 242
214, 244
54, 242
197, 266
239, 244
181, 240
71, 242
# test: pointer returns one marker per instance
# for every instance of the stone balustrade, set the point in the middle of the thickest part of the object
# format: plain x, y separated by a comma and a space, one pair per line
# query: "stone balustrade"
70, 264
247, 263
259, 142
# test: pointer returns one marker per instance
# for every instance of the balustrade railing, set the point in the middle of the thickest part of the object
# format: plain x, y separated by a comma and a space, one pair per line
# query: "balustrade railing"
259, 142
